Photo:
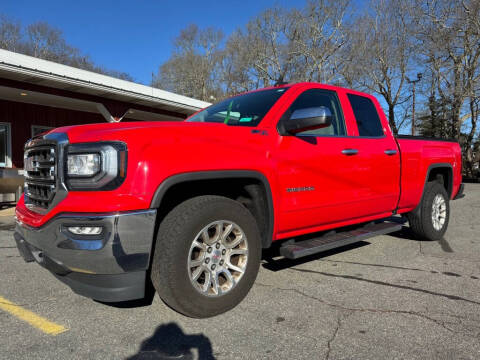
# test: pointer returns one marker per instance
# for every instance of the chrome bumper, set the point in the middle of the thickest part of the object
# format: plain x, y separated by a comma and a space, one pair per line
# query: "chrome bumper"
109, 267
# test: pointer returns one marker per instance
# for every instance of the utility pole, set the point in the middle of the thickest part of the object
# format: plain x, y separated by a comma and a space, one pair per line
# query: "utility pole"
419, 77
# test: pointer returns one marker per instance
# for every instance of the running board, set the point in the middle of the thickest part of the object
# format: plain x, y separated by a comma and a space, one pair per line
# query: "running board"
332, 241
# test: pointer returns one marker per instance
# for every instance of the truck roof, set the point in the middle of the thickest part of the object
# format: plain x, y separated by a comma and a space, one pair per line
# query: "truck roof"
307, 84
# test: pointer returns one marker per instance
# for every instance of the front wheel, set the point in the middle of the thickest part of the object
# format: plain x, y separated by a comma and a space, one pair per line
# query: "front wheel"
207, 256
430, 220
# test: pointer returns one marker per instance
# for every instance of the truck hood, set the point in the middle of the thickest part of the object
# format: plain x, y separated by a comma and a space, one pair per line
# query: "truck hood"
157, 150
124, 130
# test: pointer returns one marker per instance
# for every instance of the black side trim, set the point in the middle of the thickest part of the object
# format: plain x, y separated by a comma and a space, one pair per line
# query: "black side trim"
107, 287
412, 137
23, 248
441, 165
430, 168
460, 193
216, 175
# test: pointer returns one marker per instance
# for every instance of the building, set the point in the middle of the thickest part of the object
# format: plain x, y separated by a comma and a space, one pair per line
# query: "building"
37, 95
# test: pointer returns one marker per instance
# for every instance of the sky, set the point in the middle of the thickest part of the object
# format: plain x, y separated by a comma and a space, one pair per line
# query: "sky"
134, 36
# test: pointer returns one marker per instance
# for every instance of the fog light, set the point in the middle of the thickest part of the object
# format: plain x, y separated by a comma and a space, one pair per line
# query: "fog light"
85, 230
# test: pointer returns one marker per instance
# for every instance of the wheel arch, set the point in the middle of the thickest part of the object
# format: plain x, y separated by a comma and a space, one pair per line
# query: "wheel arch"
204, 178
443, 173
433, 170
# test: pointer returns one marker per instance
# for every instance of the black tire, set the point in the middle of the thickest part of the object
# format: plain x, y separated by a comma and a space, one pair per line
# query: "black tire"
176, 233
420, 219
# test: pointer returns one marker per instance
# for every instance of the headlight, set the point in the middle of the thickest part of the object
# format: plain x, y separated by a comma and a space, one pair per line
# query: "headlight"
95, 166
83, 164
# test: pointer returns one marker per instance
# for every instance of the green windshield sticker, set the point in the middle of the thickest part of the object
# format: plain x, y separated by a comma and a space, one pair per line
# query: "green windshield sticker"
228, 112
245, 119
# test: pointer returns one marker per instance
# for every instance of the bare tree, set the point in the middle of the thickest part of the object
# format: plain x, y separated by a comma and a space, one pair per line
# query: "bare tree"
269, 57
46, 42
10, 34
237, 72
381, 45
318, 34
192, 70
449, 33
287, 45
471, 11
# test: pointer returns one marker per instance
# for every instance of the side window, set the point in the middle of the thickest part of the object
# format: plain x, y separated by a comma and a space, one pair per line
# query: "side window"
5, 146
366, 115
318, 97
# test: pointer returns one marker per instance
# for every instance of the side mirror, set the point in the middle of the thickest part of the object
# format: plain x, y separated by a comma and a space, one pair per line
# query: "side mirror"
308, 119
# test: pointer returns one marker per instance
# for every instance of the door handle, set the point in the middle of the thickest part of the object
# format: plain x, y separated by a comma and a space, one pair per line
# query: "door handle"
391, 152
349, 152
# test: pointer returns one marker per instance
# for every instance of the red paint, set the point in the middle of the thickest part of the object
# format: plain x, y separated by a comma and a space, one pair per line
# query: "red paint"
347, 189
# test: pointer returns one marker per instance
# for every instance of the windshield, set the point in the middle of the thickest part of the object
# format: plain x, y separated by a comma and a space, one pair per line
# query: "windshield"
243, 110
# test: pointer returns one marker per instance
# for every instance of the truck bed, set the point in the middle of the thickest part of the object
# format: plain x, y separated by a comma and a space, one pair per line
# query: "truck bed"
419, 155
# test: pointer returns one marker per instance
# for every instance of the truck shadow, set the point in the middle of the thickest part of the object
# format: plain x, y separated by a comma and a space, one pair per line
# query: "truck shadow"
170, 342
407, 234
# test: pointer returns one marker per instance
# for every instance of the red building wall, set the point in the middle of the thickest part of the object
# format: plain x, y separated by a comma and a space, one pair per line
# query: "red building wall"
22, 116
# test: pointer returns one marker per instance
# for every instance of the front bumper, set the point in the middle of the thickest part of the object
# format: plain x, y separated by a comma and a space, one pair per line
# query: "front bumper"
107, 267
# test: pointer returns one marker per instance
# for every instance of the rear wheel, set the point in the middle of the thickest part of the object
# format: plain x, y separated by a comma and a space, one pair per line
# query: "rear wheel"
430, 220
207, 256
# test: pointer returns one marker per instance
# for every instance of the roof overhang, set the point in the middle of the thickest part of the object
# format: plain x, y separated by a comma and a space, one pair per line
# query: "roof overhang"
63, 102
28, 69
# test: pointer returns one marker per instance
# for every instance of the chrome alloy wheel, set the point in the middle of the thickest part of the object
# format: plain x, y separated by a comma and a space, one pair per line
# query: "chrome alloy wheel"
218, 258
439, 212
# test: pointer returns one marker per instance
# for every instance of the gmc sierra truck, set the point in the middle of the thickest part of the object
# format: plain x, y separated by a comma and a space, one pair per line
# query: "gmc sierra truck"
111, 209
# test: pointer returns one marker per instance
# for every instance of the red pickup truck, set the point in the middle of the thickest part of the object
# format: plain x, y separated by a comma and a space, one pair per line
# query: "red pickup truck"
188, 206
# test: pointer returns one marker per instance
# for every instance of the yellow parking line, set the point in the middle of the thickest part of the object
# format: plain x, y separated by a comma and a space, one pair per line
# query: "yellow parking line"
33, 319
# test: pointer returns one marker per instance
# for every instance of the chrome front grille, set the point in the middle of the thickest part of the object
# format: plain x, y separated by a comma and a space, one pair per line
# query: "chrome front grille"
40, 163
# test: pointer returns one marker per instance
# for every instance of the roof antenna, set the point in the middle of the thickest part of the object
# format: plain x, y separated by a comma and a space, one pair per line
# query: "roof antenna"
280, 81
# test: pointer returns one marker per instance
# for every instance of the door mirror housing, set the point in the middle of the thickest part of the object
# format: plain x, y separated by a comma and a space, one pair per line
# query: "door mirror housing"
308, 119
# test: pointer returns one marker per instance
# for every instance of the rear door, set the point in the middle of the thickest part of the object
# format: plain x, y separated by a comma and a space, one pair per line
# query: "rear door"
377, 158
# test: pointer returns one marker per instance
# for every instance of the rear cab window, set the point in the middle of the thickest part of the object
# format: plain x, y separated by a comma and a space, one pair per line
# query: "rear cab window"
366, 115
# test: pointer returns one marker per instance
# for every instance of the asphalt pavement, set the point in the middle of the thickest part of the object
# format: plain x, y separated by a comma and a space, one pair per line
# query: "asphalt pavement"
391, 297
